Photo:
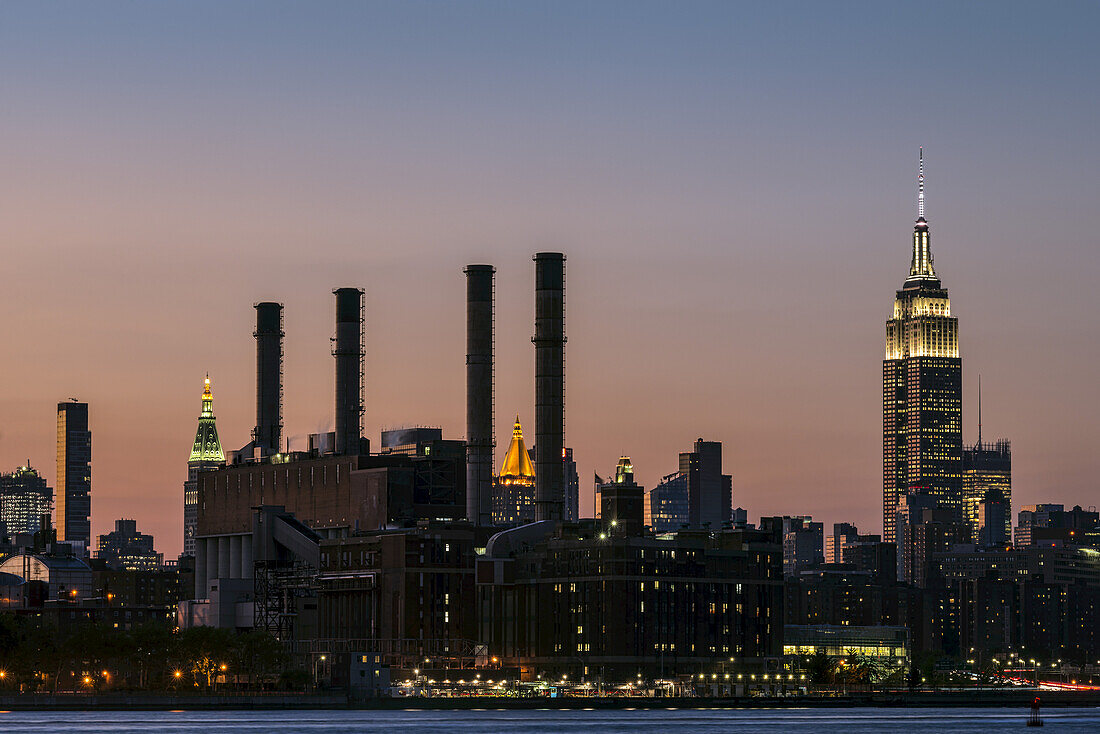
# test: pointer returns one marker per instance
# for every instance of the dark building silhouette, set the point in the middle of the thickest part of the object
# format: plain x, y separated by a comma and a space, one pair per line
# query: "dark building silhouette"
572, 487
802, 544
1049, 523
586, 604
74, 476
921, 389
124, 548
710, 492
843, 533
621, 502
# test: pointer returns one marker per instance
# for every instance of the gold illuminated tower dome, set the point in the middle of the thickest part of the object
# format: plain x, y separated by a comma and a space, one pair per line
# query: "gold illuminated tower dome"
206, 453
514, 487
921, 388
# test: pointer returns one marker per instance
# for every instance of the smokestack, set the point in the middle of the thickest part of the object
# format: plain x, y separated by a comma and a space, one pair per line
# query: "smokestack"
269, 378
549, 343
479, 393
349, 370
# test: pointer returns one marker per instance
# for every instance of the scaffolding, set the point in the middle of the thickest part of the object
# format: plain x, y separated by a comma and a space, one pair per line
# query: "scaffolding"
278, 587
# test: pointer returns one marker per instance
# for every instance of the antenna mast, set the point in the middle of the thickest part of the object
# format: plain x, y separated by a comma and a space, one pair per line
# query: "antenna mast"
920, 186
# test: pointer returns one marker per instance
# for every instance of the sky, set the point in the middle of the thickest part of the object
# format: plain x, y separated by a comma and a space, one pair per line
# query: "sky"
734, 185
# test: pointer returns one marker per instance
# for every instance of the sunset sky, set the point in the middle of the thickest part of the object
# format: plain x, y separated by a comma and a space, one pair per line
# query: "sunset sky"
734, 185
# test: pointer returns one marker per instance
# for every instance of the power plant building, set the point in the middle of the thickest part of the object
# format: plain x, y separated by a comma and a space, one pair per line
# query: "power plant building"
549, 341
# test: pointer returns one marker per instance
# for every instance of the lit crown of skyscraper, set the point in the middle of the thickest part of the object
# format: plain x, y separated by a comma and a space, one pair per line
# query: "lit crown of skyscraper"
207, 447
517, 462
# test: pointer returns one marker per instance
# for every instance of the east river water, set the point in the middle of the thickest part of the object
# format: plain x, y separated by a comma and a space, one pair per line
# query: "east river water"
654, 721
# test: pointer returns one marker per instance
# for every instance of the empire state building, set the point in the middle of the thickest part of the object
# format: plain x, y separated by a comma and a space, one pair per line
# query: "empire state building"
921, 388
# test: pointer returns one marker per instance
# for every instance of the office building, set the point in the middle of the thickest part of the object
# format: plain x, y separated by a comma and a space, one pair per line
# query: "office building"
921, 388
1052, 522
668, 504
124, 548
802, 544
710, 492
74, 476
206, 453
25, 499
987, 466
843, 533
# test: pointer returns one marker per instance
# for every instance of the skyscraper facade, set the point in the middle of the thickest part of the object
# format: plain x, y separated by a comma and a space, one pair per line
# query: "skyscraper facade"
206, 453
74, 476
986, 467
668, 504
921, 389
24, 499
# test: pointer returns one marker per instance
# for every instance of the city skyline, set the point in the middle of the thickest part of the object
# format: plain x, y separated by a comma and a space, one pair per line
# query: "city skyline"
693, 301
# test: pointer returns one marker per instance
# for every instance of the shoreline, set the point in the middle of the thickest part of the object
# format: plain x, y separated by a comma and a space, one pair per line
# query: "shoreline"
302, 702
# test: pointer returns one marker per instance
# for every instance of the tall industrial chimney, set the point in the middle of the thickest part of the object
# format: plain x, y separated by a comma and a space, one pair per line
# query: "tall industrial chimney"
479, 393
549, 340
269, 378
349, 370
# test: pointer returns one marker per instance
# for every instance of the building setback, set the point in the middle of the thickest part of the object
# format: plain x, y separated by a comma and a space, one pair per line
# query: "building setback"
921, 388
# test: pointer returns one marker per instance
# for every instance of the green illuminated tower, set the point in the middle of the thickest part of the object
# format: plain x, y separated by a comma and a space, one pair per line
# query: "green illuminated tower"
205, 454
921, 388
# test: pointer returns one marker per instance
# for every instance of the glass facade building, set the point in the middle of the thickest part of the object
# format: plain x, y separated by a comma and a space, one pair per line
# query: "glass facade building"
24, 499
74, 476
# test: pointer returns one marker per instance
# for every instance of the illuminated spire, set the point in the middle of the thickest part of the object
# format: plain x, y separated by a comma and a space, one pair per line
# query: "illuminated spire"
517, 462
921, 270
207, 448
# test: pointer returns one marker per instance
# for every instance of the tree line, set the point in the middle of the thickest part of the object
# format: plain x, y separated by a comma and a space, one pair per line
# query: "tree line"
38, 656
